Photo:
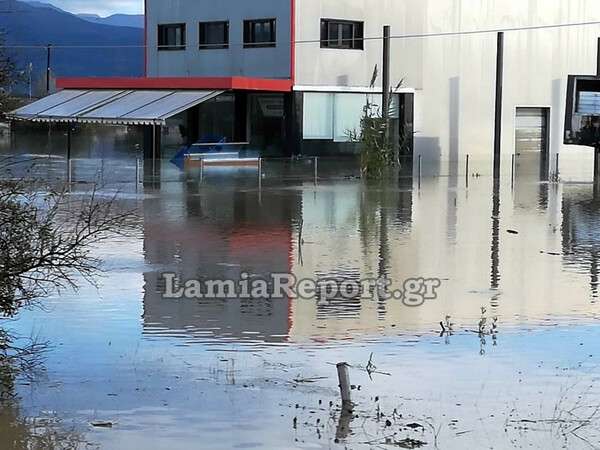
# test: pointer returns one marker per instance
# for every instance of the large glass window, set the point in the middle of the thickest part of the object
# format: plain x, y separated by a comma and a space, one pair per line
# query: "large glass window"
259, 33
342, 34
347, 113
318, 115
214, 35
171, 36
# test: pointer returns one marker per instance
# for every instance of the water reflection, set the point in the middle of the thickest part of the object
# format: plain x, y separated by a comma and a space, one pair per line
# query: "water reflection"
348, 230
160, 378
46, 432
581, 232
217, 232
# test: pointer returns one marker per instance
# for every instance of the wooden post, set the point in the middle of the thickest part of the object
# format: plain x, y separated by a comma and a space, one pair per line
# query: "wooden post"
344, 380
498, 115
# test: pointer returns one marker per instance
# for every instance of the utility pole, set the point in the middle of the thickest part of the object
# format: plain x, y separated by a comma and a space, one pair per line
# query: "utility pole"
386, 72
389, 135
30, 73
498, 119
48, 48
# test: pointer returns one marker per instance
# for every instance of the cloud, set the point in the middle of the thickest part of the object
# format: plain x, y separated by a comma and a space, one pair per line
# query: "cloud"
102, 8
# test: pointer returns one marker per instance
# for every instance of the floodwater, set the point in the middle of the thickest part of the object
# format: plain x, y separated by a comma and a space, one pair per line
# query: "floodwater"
251, 374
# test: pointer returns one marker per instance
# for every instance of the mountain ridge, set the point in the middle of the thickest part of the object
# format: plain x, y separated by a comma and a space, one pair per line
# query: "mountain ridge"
118, 19
80, 48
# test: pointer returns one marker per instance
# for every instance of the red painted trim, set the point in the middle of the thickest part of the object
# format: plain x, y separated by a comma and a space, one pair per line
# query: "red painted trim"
252, 84
293, 40
145, 38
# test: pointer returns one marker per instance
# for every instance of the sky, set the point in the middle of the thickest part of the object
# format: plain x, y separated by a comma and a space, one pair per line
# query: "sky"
102, 8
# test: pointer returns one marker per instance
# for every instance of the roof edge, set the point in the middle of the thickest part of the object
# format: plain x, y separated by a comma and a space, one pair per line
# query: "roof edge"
212, 83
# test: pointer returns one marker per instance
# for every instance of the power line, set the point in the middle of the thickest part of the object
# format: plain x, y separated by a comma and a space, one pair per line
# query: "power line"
317, 41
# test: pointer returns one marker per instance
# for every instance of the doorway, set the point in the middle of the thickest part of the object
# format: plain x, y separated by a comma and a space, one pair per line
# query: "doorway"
266, 123
532, 143
532, 149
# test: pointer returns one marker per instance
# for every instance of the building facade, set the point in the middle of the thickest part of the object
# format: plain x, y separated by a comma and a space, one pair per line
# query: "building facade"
293, 76
444, 51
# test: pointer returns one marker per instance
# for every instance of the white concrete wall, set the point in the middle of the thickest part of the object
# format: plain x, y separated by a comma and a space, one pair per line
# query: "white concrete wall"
455, 76
235, 61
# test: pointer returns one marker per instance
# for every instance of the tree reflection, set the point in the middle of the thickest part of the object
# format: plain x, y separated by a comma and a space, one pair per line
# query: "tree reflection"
41, 433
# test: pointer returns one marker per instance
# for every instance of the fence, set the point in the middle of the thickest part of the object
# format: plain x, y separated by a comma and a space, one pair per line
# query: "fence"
134, 171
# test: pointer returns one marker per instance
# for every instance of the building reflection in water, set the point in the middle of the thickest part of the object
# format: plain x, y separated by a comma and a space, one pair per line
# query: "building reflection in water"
217, 232
348, 230
581, 231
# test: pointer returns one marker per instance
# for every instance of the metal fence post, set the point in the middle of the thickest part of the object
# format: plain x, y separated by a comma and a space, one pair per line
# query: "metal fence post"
467, 172
316, 169
137, 171
420, 169
512, 169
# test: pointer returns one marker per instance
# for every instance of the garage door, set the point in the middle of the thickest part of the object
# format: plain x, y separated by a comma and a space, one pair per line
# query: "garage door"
531, 130
531, 147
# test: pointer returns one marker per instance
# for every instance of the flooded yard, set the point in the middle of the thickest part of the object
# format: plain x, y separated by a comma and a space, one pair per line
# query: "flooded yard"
505, 357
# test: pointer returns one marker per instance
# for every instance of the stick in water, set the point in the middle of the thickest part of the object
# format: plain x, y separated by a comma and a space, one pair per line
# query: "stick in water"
344, 379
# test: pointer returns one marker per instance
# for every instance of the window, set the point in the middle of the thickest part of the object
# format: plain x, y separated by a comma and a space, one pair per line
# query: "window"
171, 37
214, 35
259, 33
318, 115
342, 34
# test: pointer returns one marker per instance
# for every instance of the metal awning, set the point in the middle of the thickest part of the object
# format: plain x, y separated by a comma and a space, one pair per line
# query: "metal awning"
119, 107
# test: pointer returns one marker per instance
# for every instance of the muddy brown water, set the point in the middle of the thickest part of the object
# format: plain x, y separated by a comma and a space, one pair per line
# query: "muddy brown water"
226, 374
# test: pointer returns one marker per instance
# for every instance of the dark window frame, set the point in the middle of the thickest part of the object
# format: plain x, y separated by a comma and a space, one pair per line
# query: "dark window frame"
162, 37
202, 35
355, 43
250, 38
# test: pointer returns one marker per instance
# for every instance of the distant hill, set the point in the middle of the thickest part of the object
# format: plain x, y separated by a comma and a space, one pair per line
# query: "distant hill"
29, 24
118, 20
43, 5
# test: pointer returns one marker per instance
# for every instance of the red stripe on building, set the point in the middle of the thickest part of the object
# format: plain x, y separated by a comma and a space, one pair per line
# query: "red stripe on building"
226, 83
